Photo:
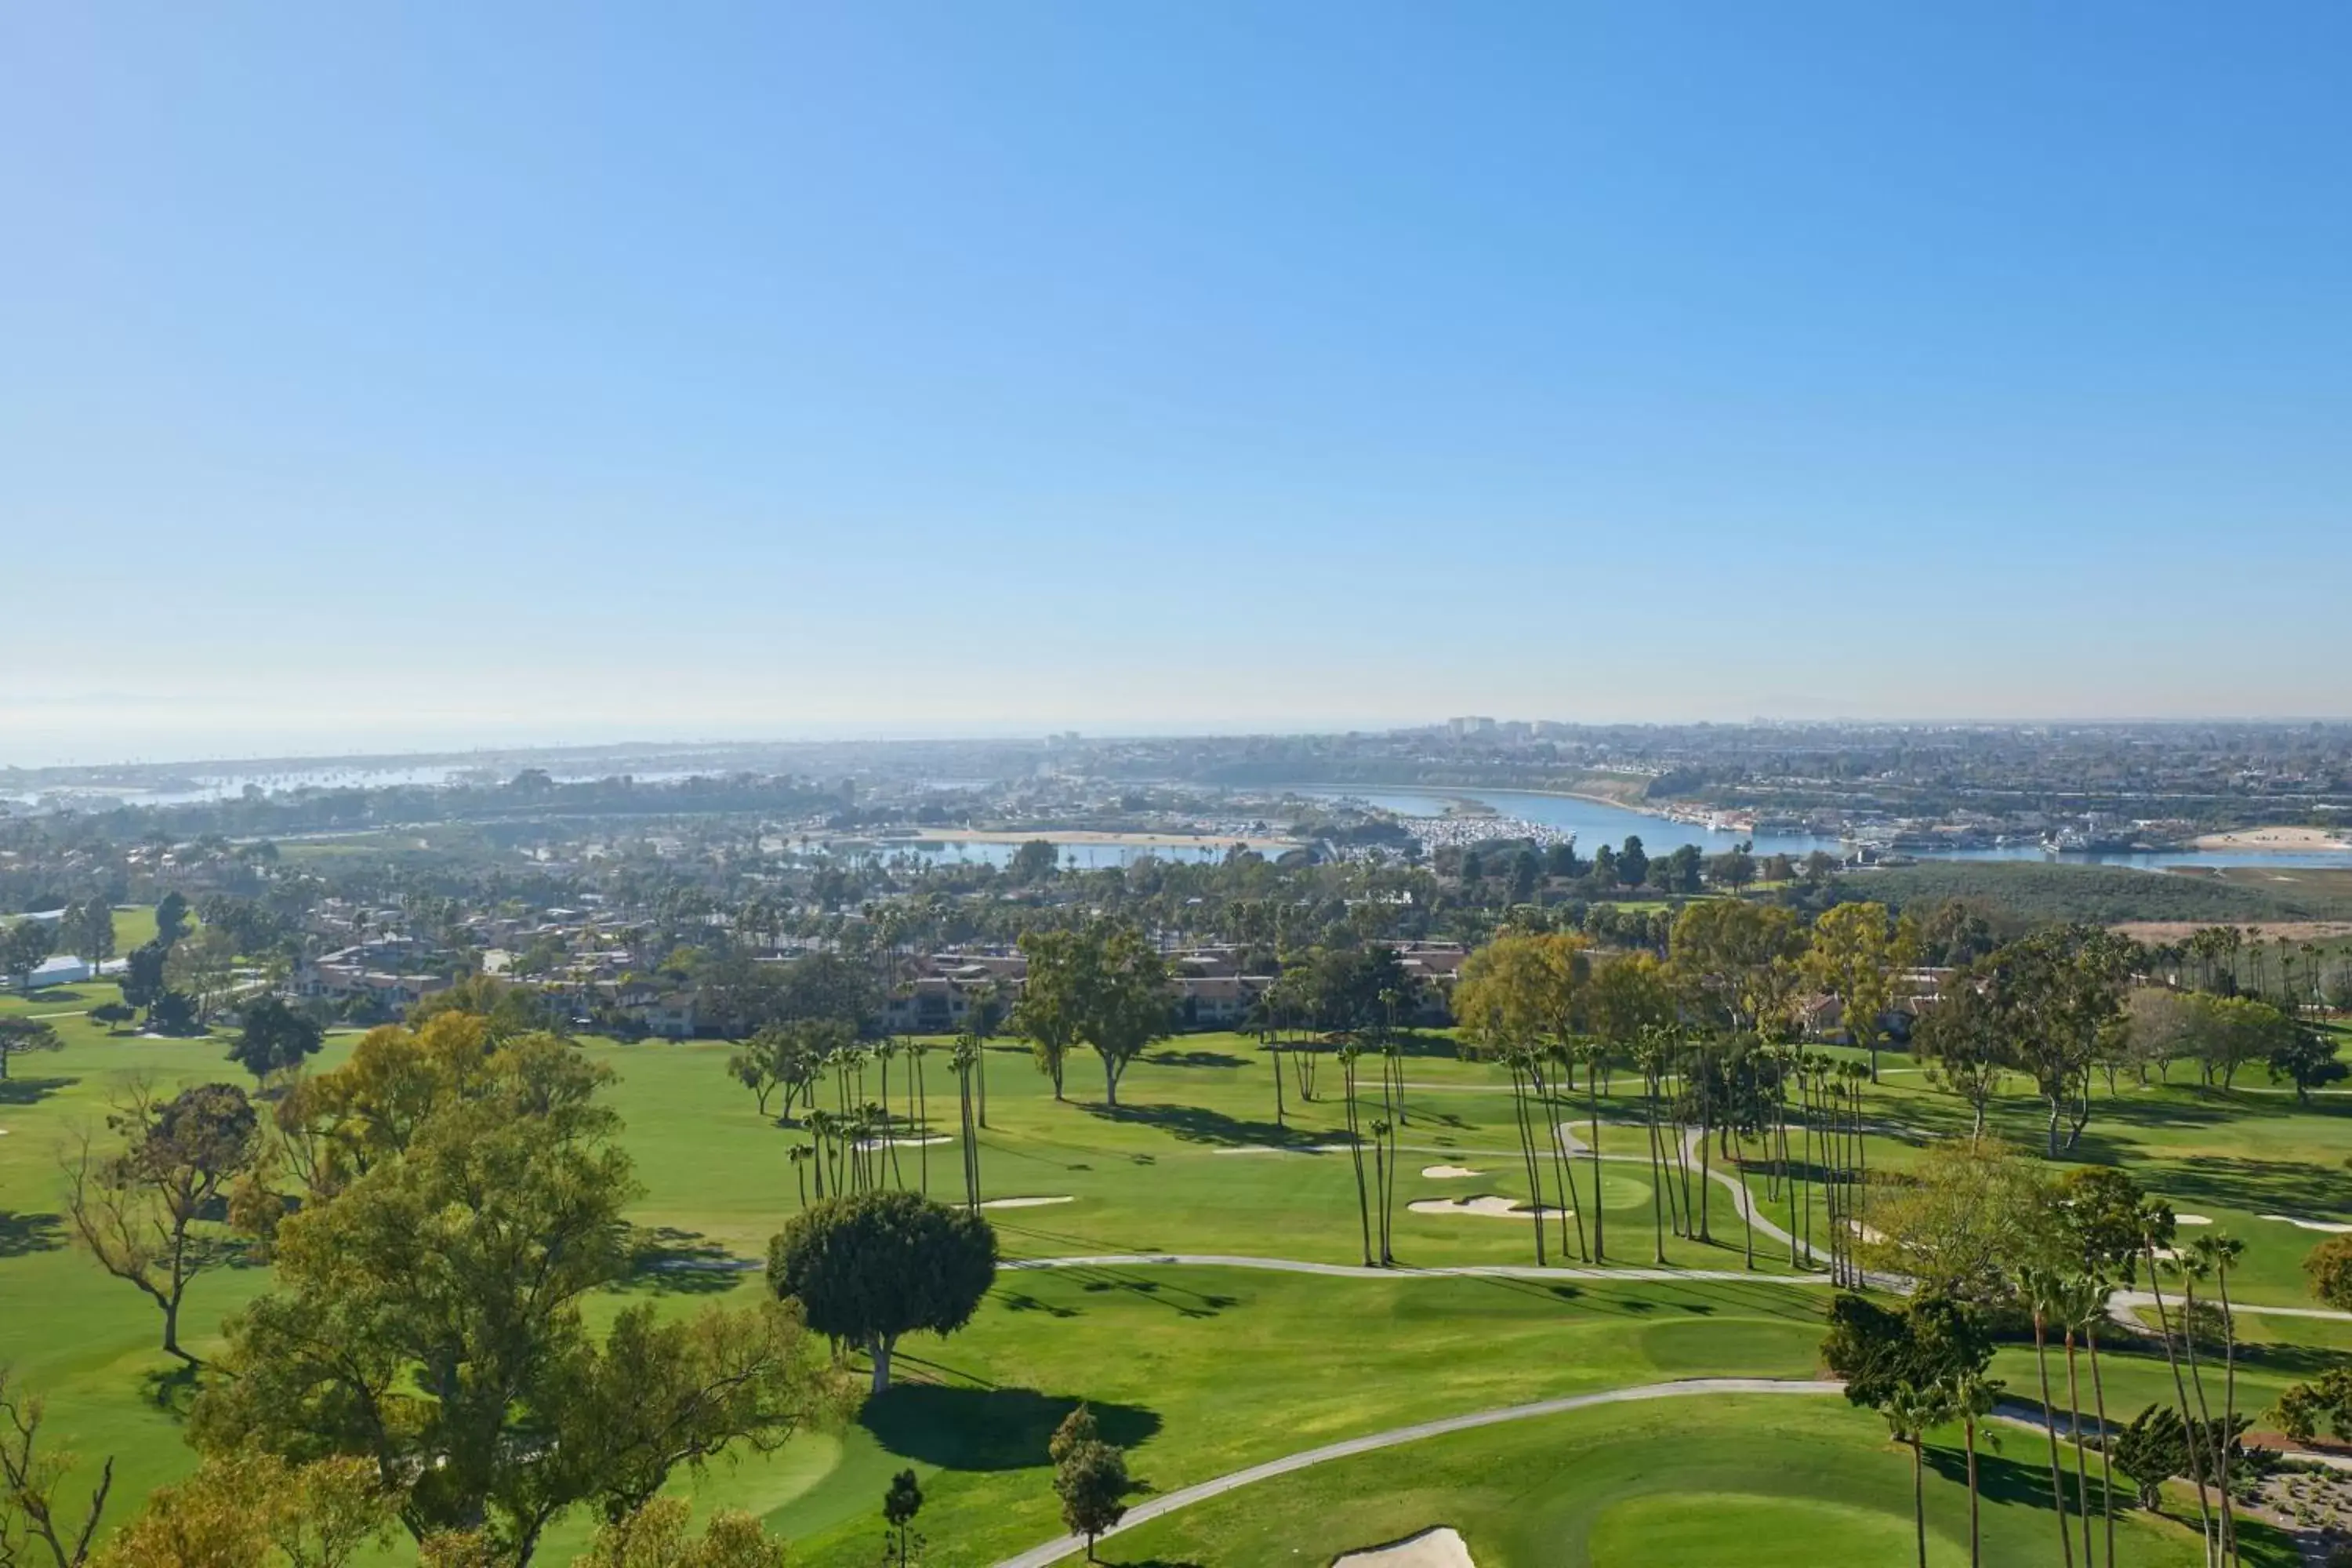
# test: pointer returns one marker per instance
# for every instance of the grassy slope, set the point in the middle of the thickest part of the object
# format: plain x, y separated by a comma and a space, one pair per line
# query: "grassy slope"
1776, 1483
1207, 1370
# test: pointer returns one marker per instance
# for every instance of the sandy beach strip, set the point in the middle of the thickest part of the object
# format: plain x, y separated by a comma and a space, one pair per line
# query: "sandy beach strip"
2288, 841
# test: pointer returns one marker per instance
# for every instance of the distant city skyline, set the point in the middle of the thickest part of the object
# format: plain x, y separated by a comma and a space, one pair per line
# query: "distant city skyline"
429, 376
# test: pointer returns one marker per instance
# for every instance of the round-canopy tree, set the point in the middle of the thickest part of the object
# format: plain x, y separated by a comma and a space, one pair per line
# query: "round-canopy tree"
872, 1266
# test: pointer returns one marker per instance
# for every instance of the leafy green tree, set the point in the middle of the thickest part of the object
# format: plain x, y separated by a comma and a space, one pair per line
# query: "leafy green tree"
145, 1209
2305, 1058
275, 1039
2056, 992
428, 1318
1964, 1042
23, 1036
2151, 1448
23, 946
170, 920
1856, 949
1035, 860
1103, 985
1933, 1340
93, 933
143, 977
32, 1512
873, 1265
252, 1510
508, 1010
113, 1014
788, 1057
1633, 862
2328, 1270
900, 1504
1089, 1478
654, 1535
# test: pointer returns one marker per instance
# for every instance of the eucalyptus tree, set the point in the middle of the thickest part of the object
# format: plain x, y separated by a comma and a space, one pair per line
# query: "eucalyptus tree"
1855, 950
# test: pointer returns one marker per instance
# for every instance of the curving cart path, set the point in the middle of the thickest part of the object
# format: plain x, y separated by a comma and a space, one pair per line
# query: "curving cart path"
1144, 1513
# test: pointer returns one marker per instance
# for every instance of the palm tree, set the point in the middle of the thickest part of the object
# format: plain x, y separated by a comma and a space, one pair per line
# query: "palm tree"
2045, 1299
2193, 1264
2098, 1314
1347, 1056
799, 1155
2219, 1253
2081, 1300
1909, 1413
2156, 1218
1971, 1396
965, 1058
1591, 1054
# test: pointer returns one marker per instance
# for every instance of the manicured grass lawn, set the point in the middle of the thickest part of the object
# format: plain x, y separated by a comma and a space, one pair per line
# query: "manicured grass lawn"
1778, 1482
1208, 1370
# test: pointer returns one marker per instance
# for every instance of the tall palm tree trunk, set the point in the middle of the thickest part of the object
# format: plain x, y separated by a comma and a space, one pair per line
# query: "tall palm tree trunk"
1592, 1107
2082, 1460
2210, 1439
1527, 1152
2180, 1394
1969, 1429
2050, 1425
2229, 1414
2106, 1447
1920, 1494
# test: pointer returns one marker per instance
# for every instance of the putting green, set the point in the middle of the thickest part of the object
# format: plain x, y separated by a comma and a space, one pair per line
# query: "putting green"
1772, 1532
1620, 1190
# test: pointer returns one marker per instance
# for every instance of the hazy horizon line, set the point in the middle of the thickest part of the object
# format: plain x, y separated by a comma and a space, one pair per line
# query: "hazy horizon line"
847, 735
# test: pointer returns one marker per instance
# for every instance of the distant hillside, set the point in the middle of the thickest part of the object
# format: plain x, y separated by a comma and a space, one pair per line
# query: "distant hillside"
2106, 895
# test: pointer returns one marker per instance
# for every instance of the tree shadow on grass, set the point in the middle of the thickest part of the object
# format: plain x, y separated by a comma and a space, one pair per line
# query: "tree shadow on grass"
173, 1389
988, 1429
2286, 1185
31, 1091
1195, 1060
22, 1234
1196, 1124
671, 1261
2020, 1477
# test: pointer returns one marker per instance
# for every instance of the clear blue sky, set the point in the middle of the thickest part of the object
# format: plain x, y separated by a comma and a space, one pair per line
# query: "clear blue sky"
406, 373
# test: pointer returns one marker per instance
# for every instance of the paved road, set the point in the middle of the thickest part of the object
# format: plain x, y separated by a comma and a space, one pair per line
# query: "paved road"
2130, 1302
1356, 1271
1071, 1545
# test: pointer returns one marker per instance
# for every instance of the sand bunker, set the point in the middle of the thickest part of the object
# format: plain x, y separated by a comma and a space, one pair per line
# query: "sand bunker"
1027, 1202
1438, 1548
901, 1142
1491, 1206
2192, 1219
2330, 1226
1449, 1172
